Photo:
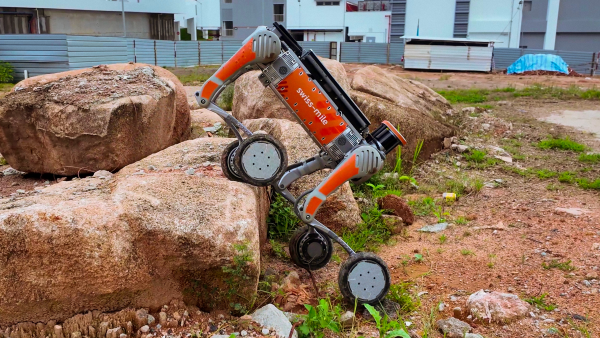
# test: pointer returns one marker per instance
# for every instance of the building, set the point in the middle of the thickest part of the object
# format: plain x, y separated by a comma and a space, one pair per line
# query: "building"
309, 20
148, 19
548, 24
563, 25
202, 19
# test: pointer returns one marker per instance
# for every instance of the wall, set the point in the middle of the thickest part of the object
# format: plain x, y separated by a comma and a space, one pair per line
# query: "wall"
532, 40
306, 15
435, 18
143, 6
323, 36
534, 21
98, 23
585, 42
369, 24
499, 21
249, 14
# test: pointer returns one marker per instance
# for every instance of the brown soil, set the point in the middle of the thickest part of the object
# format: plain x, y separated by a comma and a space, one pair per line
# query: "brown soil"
464, 80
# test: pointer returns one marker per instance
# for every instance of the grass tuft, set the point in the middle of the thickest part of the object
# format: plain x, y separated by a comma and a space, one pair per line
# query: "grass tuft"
561, 144
589, 158
554, 264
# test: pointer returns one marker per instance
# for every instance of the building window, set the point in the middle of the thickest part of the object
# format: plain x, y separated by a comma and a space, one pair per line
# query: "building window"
328, 3
227, 1
527, 6
227, 28
278, 12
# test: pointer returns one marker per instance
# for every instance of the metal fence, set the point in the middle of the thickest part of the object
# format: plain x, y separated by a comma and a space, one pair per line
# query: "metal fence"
581, 62
49, 53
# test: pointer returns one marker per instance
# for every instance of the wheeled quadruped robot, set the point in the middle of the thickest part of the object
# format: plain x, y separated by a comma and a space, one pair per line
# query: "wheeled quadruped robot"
334, 122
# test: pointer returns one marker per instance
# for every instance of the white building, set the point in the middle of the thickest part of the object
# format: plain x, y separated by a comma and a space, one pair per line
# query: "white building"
202, 18
143, 18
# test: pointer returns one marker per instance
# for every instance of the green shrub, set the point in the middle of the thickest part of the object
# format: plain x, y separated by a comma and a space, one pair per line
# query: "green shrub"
587, 184
6, 72
562, 144
544, 174
589, 158
225, 100
282, 220
476, 156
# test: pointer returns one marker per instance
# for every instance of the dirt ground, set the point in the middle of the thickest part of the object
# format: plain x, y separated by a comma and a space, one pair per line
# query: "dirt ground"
466, 80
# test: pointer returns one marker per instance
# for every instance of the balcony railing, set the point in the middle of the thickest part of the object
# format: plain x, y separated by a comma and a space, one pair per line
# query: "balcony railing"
279, 18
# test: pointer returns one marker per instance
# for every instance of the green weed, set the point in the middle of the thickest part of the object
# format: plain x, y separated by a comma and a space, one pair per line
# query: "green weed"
540, 302
401, 294
442, 239
587, 184
561, 144
6, 72
545, 174
475, 155
225, 100
552, 187
466, 252
320, 319
589, 158
492, 261
370, 233
374, 187
278, 249
282, 220
465, 95
423, 207
387, 328
566, 177
554, 264
237, 275
460, 220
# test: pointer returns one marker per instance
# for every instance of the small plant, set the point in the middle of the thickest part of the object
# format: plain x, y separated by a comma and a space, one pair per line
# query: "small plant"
400, 294
320, 318
387, 328
476, 156
442, 239
423, 207
465, 95
561, 144
237, 274
460, 220
566, 177
440, 214
466, 252
278, 249
584, 183
554, 264
552, 187
492, 261
6, 72
545, 174
282, 220
589, 158
540, 302
370, 233
375, 187
225, 100
418, 258
445, 77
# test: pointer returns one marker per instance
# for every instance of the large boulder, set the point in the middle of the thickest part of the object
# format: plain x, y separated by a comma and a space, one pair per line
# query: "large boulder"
253, 101
415, 125
204, 118
340, 210
161, 229
411, 96
86, 120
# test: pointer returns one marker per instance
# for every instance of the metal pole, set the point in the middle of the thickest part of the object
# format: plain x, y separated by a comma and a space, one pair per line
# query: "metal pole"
38, 21
593, 64
123, 15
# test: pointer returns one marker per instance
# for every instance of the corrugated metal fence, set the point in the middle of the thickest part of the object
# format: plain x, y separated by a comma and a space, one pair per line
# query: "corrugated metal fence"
49, 53
581, 62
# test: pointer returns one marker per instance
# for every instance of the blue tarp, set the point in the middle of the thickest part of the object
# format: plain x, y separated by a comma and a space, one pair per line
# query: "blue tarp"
549, 62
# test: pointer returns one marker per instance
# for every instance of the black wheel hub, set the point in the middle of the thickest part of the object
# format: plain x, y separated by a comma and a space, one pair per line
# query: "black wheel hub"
313, 249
